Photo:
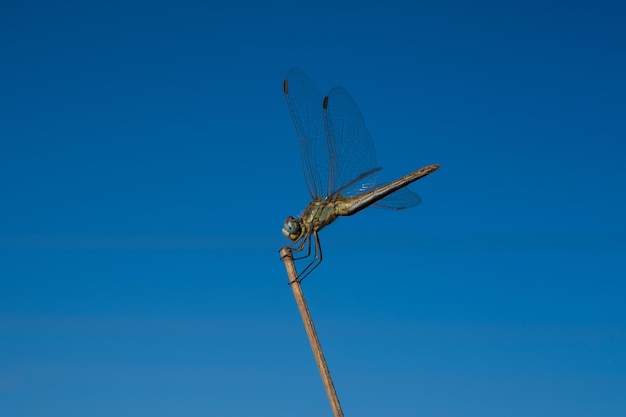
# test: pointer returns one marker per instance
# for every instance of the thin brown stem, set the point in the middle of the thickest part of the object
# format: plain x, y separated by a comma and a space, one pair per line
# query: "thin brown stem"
287, 257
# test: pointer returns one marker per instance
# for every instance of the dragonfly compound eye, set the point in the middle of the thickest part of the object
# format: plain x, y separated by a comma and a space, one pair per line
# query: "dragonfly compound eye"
291, 228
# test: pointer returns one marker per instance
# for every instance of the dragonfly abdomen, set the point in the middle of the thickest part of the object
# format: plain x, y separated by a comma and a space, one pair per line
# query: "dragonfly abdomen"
352, 205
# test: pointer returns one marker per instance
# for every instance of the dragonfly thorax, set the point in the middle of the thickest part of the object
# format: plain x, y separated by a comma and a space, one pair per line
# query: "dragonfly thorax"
316, 215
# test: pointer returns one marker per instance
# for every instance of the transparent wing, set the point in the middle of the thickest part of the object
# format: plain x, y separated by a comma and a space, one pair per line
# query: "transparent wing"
305, 105
351, 153
399, 200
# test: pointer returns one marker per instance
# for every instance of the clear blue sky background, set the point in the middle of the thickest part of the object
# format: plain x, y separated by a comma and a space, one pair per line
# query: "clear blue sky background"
147, 162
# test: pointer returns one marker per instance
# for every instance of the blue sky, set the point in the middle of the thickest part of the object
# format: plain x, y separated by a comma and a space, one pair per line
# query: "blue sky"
147, 162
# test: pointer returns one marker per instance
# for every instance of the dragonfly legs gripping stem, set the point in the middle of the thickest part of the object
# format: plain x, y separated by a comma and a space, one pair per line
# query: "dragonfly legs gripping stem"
317, 253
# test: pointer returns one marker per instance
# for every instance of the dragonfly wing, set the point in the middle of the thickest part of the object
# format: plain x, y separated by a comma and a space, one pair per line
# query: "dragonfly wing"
399, 200
351, 153
305, 106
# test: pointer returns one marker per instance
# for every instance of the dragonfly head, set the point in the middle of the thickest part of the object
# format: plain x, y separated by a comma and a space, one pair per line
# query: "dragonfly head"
292, 228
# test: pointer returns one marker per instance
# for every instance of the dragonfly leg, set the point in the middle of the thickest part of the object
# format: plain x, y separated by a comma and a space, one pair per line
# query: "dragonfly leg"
305, 241
317, 258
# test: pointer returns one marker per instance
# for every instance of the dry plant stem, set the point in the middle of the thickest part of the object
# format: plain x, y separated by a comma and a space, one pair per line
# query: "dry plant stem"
287, 257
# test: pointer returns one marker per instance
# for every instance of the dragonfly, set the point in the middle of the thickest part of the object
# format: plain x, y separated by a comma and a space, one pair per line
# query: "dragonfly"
339, 163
